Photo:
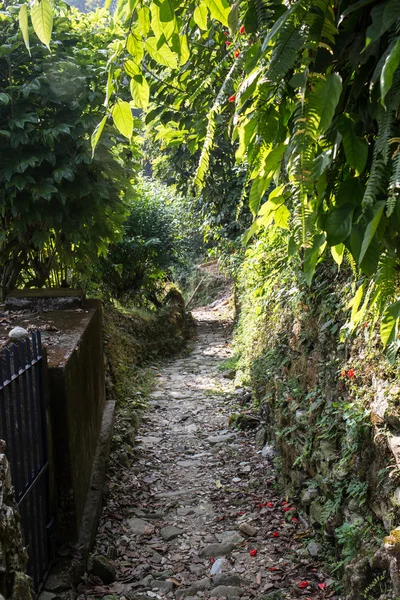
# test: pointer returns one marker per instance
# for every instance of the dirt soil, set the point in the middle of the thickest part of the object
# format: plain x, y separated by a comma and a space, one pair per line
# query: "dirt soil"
196, 513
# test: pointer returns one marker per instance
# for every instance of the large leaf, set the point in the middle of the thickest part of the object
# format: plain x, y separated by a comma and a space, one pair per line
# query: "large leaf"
163, 55
371, 229
140, 91
200, 16
122, 116
338, 253
389, 323
328, 92
162, 18
23, 25
219, 10
97, 134
143, 19
312, 255
390, 66
355, 148
42, 20
338, 224
134, 46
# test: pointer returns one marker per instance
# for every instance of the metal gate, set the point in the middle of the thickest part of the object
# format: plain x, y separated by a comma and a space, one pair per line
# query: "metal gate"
23, 427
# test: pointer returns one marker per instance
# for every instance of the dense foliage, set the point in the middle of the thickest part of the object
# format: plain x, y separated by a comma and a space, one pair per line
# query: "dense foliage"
308, 93
59, 207
157, 246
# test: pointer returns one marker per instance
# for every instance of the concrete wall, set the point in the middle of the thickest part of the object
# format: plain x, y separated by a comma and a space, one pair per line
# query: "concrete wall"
76, 403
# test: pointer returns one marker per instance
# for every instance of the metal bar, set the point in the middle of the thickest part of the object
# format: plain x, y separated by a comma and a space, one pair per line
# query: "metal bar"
42, 399
28, 429
12, 431
34, 482
36, 464
38, 405
3, 415
20, 422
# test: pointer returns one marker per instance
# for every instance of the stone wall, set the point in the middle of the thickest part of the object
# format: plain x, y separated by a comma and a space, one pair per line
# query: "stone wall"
14, 583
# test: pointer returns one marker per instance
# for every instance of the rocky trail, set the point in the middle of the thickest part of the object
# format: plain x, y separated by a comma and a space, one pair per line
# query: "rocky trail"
195, 513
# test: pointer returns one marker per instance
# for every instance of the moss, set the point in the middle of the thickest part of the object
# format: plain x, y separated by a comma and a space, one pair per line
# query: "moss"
22, 588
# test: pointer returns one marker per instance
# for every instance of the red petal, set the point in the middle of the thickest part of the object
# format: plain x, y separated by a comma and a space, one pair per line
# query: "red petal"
253, 552
212, 560
295, 520
322, 586
232, 98
242, 30
260, 505
270, 504
275, 534
228, 43
304, 584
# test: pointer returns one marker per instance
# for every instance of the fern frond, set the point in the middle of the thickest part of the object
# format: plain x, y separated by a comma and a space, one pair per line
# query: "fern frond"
386, 283
377, 182
385, 128
204, 161
262, 14
285, 52
394, 186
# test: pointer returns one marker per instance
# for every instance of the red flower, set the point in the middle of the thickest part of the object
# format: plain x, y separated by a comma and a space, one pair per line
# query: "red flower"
237, 52
350, 373
284, 502
322, 586
228, 43
270, 504
304, 584
253, 552
286, 509
242, 30
295, 520
226, 33
212, 560
240, 513
275, 534
232, 98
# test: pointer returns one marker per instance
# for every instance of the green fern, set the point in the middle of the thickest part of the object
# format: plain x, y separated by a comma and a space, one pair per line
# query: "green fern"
377, 182
394, 186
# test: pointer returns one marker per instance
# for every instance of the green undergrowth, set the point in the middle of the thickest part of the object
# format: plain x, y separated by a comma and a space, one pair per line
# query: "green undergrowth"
329, 399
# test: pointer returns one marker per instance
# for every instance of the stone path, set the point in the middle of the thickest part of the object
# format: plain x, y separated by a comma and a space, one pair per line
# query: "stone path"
195, 512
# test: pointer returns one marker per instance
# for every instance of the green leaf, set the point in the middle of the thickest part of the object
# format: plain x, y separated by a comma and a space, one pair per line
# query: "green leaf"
42, 20
63, 172
338, 253
131, 68
355, 148
389, 323
390, 66
200, 16
97, 134
391, 13
282, 216
354, 7
219, 10
163, 55
143, 19
134, 46
371, 229
163, 20
338, 224
140, 91
4, 98
233, 18
312, 255
122, 116
328, 92
23, 25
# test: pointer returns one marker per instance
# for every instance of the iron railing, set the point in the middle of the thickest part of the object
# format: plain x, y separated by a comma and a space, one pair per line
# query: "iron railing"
23, 426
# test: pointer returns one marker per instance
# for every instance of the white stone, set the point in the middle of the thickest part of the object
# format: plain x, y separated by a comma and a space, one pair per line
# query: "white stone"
18, 333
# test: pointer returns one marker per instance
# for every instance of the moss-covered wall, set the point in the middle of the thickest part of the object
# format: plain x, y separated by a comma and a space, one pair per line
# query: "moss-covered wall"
330, 403
14, 584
